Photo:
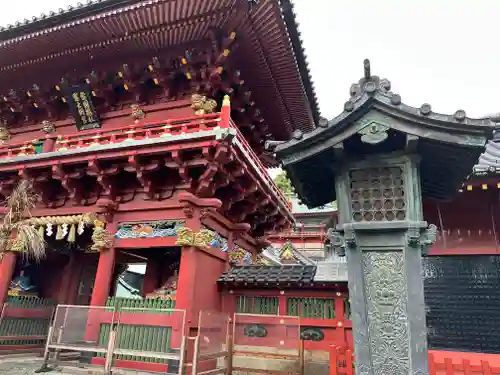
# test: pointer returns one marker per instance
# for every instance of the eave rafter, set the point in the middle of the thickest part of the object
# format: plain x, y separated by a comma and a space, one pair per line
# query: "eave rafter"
373, 110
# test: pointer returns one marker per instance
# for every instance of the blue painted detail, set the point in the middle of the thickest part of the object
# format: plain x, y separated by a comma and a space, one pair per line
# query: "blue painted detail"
153, 229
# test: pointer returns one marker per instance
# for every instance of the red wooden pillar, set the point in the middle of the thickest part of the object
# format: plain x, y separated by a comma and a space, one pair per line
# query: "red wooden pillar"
198, 271
7, 266
104, 277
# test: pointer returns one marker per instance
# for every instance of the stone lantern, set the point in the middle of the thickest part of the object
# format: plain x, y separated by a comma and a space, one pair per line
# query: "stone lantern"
379, 158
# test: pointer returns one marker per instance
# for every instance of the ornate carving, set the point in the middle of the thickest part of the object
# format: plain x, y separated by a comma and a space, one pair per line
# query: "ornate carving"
101, 238
255, 330
386, 301
4, 134
48, 127
201, 105
423, 239
137, 113
374, 133
287, 252
152, 229
187, 237
340, 241
311, 334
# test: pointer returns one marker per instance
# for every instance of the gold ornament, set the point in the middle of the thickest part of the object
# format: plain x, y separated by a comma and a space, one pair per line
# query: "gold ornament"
137, 113
201, 105
187, 237
48, 127
4, 134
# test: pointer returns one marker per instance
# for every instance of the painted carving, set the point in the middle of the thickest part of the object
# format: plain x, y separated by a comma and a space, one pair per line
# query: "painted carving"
152, 229
201, 105
48, 127
287, 252
240, 256
101, 238
255, 330
167, 291
4, 134
311, 334
187, 237
386, 303
137, 113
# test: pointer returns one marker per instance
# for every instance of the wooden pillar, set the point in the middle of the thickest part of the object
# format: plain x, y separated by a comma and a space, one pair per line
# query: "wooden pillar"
7, 266
198, 272
104, 275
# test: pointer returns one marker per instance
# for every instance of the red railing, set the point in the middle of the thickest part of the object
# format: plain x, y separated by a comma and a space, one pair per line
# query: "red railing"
136, 132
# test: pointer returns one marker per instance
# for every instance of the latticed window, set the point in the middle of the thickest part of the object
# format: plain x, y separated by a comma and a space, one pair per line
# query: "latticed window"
378, 194
319, 308
257, 305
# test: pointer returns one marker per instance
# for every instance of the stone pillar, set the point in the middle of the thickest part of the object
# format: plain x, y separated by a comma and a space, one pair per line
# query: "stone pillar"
7, 266
382, 233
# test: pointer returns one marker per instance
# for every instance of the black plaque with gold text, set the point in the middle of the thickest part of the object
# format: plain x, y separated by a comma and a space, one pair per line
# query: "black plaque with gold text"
81, 107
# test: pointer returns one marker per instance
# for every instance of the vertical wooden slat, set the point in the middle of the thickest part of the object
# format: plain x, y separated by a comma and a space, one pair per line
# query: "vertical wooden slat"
448, 366
333, 361
466, 367
485, 366
432, 365
348, 362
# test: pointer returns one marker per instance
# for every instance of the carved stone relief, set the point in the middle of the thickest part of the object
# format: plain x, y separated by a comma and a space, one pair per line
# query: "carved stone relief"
386, 301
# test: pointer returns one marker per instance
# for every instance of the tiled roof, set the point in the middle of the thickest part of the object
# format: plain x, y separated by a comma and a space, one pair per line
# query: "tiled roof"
269, 276
489, 161
286, 276
271, 57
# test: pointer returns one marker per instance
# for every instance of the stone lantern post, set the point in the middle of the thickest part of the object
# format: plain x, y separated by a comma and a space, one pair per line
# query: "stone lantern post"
379, 159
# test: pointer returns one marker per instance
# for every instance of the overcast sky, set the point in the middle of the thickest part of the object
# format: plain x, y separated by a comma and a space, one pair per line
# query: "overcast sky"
440, 52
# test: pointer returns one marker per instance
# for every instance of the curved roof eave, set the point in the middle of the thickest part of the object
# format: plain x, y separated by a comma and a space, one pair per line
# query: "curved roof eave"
457, 128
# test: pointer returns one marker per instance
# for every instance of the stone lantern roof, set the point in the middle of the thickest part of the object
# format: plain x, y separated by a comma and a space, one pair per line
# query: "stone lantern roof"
375, 120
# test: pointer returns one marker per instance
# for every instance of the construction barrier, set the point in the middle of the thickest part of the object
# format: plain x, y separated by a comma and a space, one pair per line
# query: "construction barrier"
141, 334
212, 348
266, 344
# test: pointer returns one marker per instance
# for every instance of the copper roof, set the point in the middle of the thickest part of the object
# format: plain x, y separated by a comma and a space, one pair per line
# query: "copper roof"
270, 55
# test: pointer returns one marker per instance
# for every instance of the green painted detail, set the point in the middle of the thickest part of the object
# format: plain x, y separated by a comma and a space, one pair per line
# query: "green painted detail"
139, 337
29, 302
318, 308
138, 303
38, 147
20, 327
257, 305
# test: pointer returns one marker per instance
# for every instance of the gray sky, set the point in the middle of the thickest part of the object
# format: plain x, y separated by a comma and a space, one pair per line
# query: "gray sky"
432, 51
